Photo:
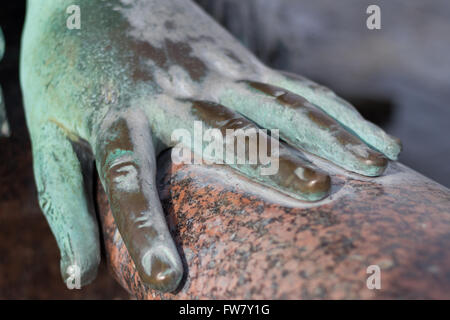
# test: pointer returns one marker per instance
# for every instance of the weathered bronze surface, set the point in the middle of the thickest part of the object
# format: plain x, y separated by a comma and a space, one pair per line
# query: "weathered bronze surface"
313, 185
370, 158
112, 93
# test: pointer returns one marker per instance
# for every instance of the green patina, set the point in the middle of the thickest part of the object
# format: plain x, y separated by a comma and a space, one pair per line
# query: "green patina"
72, 80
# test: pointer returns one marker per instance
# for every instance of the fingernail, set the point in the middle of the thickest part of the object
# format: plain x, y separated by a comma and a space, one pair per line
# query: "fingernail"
162, 269
377, 160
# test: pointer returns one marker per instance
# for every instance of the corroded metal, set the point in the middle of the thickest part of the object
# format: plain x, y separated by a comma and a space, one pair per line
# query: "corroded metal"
113, 92
357, 156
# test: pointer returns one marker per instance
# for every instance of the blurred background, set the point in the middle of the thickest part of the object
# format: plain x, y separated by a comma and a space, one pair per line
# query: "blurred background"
397, 77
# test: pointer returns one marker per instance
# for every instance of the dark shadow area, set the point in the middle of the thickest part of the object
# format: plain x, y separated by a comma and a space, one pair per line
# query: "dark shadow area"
376, 110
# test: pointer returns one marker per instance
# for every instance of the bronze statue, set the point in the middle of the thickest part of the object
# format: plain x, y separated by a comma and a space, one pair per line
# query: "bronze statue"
112, 92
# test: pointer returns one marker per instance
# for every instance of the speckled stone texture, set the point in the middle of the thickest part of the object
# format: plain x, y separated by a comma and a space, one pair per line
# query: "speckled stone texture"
237, 244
